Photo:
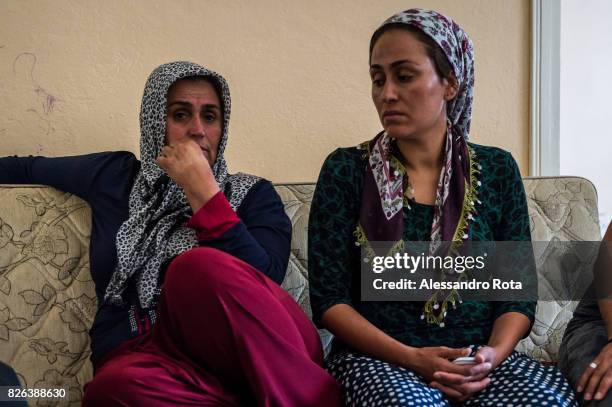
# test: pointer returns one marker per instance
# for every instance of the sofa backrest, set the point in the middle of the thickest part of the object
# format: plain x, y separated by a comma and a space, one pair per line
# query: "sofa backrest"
560, 209
47, 299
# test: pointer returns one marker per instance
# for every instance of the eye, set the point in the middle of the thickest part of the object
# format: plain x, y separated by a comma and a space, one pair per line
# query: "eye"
180, 115
378, 81
210, 117
404, 77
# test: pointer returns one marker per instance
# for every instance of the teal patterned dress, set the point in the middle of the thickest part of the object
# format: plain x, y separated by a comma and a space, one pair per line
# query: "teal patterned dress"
334, 259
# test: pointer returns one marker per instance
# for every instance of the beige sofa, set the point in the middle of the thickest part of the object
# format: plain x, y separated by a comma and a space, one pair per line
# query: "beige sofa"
47, 299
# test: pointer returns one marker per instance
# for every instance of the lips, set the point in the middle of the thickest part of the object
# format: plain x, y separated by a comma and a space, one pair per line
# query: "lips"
392, 114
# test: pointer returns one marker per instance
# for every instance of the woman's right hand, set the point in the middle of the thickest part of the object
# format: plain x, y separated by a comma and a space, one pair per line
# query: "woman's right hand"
426, 361
457, 382
188, 167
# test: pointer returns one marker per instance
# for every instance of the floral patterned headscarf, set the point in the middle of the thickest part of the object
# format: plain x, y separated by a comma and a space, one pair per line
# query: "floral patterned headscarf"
386, 186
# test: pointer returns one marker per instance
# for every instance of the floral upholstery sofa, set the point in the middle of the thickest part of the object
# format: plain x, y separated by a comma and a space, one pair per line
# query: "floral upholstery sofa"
47, 299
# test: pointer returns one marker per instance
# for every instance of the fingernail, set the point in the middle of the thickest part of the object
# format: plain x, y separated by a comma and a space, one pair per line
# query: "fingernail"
587, 396
598, 396
579, 389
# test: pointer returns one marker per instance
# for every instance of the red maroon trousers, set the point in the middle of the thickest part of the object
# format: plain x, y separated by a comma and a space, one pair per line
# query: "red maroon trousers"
226, 335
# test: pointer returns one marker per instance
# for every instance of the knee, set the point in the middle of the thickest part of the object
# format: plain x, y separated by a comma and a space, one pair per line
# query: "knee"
201, 269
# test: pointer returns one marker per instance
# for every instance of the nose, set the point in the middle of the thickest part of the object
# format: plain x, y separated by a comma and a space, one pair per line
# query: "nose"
197, 128
389, 92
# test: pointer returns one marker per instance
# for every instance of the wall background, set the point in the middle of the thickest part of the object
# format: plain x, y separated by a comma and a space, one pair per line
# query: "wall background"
72, 73
585, 133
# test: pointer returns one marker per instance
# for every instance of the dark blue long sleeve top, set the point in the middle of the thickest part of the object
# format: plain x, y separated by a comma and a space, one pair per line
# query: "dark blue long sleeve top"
260, 235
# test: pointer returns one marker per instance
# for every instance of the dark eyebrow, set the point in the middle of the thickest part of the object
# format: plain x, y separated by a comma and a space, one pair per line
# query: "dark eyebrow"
187, 104
394, 64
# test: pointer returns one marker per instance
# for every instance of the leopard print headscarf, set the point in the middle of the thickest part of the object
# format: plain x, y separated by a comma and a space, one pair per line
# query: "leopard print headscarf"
155, 230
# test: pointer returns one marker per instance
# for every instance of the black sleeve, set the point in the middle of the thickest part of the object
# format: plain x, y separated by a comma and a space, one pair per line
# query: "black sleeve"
79, 175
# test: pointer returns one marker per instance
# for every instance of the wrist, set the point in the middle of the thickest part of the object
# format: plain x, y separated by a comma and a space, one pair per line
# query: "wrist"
201, 189
409, 357
200, 179
198, 194
500, 353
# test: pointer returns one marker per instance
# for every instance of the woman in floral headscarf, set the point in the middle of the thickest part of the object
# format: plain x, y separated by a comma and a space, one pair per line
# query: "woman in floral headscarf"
187, 259
420, 180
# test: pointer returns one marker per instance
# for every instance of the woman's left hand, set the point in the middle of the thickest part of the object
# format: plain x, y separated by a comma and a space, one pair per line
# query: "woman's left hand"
460, 388
487, 358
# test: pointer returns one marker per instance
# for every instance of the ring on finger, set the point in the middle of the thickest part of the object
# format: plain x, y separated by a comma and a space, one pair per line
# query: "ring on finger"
593, 365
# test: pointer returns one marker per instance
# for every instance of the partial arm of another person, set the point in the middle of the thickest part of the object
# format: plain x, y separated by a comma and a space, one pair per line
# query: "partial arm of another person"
596, 382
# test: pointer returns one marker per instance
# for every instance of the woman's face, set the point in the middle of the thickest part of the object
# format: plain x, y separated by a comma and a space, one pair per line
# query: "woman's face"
408, 94
194, 111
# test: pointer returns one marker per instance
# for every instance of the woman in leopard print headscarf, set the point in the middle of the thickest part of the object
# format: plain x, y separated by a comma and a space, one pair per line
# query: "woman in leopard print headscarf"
187, 261
218, 310
155, 231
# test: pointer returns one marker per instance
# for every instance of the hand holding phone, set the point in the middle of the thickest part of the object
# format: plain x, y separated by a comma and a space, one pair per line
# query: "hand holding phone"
467, 360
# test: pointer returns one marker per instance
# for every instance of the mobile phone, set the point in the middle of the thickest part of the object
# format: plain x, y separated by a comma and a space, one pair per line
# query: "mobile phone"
467, 360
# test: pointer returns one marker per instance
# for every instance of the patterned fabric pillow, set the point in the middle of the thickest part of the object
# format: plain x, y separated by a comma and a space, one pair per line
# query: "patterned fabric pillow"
47, 298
